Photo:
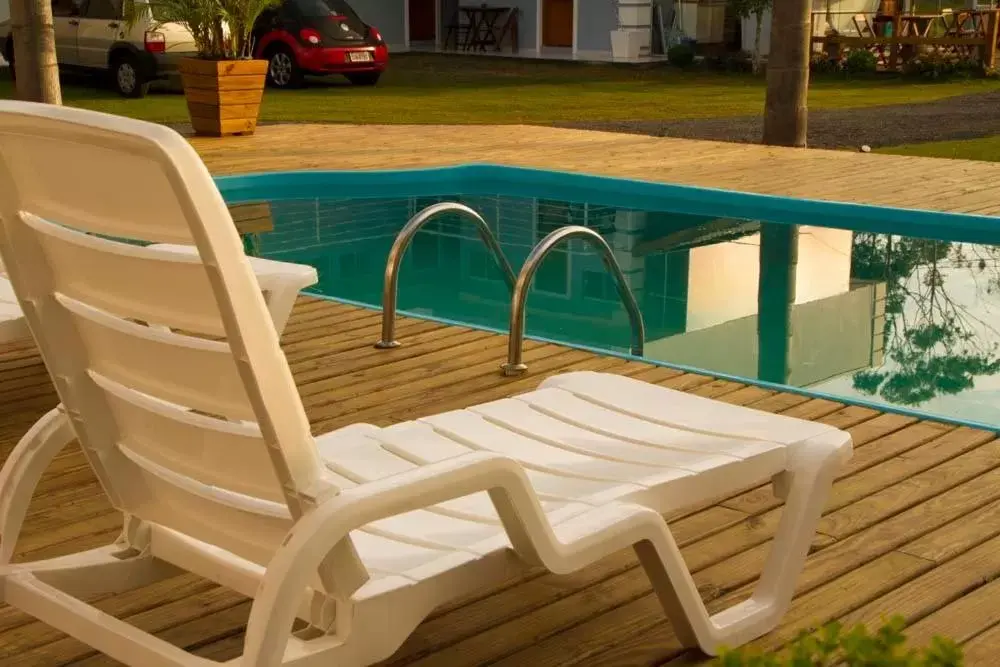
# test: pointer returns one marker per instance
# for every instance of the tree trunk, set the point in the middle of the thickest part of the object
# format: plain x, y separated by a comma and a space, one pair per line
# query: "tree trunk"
35, 51
785, 108
759, 16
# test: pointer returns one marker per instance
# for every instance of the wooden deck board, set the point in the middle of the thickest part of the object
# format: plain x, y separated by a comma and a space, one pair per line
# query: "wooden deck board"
916, 182
911, 526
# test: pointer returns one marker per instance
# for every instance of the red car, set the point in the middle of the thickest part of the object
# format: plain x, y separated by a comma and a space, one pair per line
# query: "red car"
300, 37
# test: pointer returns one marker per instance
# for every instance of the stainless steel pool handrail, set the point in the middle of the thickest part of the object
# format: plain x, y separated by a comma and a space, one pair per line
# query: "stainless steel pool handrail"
515, 363
402, 242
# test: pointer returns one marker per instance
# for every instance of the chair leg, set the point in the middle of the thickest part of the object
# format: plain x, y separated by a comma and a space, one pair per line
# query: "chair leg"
807, 485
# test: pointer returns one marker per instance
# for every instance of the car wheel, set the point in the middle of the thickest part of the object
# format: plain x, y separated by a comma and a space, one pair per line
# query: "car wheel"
364, 78
127, 76
282, 70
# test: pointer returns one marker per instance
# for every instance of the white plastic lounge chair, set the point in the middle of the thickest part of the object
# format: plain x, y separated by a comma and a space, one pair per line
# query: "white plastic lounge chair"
363, 531
280, 283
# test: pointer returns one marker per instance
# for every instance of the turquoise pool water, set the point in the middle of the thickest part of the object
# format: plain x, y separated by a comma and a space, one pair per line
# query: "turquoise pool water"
831, 298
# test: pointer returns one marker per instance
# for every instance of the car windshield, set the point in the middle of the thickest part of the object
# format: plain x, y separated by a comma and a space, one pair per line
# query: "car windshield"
322, 8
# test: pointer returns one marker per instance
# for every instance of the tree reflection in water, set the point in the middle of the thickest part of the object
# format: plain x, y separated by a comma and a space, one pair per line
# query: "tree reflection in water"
934, 345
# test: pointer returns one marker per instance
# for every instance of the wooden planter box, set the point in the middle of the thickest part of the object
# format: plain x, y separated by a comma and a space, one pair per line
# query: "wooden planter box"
223, 96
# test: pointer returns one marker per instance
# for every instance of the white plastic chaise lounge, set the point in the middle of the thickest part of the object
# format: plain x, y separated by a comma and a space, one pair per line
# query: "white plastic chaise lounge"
361, 532
280, 283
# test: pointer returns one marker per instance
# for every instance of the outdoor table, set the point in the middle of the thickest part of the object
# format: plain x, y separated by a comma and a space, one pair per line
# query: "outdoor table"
482, 23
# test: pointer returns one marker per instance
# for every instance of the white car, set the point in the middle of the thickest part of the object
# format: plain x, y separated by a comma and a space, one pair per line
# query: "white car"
92, 36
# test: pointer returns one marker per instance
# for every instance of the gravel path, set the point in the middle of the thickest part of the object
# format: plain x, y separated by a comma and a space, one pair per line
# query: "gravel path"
961, 117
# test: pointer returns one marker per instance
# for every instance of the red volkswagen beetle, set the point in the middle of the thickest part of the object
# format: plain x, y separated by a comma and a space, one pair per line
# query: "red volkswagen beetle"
300, 37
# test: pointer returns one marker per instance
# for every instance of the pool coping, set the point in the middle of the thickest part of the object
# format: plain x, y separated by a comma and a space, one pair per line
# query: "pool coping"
484, 178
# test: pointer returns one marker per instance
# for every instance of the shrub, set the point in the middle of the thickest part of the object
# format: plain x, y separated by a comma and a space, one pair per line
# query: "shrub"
938, 65
740, 61
681, 55
853, 648
860, 61
821, 63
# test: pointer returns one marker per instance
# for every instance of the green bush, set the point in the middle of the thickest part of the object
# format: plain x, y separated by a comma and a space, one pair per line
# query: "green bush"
853, 648
680, 55
740, 61
861, 61
938, 65
821, 63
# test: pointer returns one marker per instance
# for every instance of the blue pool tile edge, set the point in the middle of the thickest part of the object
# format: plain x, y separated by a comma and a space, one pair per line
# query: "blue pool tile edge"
491, 179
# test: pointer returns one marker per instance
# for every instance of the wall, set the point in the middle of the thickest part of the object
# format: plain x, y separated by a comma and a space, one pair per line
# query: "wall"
387, 16
595, 21
830, 337
724, 276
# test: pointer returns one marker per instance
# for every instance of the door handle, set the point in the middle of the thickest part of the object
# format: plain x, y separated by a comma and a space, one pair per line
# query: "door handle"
112, 25
74, 22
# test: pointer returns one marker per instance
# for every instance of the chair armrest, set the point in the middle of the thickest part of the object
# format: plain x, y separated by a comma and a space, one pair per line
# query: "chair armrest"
280, 282
323, 533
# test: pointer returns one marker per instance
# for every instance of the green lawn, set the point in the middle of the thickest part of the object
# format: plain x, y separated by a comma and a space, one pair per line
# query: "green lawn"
987, 148
455, 89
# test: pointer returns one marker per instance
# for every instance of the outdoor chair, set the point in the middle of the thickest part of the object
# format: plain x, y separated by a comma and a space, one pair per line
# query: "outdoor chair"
199, 437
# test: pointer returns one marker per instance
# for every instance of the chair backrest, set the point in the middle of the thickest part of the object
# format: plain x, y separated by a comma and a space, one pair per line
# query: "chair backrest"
197, 427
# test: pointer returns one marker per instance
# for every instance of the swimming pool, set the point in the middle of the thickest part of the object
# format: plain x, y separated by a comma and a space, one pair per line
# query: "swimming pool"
884, 306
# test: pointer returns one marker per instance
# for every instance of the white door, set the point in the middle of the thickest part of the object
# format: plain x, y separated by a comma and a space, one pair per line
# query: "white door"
100, 26
65, 21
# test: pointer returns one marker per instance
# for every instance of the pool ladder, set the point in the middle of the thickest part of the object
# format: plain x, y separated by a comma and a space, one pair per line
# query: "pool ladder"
518, 285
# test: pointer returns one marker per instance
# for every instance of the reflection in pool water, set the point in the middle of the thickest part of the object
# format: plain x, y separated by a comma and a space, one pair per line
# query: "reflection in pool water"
902, 321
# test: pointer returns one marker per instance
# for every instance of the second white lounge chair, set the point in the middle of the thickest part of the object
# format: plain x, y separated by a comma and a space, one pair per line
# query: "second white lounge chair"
363, 531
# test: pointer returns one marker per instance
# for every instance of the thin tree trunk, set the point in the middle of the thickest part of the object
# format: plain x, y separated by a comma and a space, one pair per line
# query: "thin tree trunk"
35, 51
785, 108
759, 17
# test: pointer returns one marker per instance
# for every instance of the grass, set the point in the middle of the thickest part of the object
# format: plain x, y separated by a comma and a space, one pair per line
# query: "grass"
427, 88
986, 148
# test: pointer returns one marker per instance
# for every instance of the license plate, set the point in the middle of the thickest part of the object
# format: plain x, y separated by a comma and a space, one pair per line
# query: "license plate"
359, 56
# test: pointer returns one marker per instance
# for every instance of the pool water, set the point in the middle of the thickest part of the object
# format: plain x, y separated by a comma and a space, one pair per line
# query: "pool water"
890, 319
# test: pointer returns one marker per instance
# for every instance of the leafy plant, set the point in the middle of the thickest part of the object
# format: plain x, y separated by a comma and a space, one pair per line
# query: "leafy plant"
832, 645
860, 61
740, 61
941, 65
822, 63
221, 29
681, 55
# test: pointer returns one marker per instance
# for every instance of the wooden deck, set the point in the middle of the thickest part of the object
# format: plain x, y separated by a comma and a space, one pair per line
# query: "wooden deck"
964, 186
913, 526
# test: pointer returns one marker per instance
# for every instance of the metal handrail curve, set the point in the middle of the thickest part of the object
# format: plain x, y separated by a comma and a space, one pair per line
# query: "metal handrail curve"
515, 363
402, 242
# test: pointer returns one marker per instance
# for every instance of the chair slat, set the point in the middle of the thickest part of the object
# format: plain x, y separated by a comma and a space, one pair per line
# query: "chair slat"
49, 159
223, 454
192, 372
174, 289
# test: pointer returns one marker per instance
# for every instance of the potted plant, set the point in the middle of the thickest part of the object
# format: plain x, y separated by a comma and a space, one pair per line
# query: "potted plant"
223, 83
